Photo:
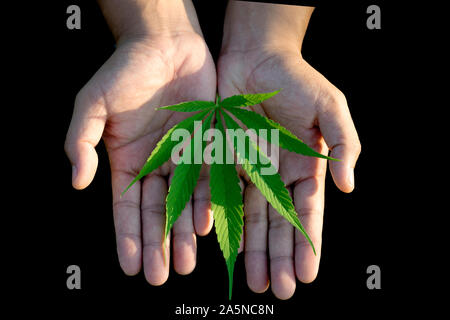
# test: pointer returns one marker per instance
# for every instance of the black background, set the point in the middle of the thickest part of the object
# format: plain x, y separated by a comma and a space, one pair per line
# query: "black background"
64, 226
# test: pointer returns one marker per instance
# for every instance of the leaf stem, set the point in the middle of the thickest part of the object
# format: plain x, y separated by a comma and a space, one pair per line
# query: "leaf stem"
218, 100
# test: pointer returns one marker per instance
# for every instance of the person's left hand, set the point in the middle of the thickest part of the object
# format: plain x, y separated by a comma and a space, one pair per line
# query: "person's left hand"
316, 112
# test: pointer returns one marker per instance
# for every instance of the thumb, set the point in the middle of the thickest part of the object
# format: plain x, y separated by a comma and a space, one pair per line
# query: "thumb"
85, 131
339, 132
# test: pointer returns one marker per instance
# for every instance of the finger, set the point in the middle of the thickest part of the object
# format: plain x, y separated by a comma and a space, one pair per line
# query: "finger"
281, 252
255, 210
308, 198
184, 242
85, 131
127, 222
337, 127
156, 261
203, 219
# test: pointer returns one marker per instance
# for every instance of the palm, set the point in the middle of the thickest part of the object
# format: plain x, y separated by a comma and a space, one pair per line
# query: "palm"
294, 108
137, 79
130, 85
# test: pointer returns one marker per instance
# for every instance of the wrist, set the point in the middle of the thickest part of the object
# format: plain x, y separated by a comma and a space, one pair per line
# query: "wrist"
260, 26
144, 19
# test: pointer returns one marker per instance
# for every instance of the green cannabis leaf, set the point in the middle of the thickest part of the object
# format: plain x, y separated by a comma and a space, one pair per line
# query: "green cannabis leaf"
246, 100
226, 204
226, 197
190, 106
287, 139
163, 149
270, 186
184, 180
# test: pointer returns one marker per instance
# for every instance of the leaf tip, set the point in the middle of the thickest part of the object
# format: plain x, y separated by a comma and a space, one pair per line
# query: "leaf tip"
123, 192
274, 93
332, 159
230, 285
163, 248
130, 185
311, 243
163, 244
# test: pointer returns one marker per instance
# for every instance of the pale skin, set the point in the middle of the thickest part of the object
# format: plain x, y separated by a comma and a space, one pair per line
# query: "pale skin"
161, 59
262, 52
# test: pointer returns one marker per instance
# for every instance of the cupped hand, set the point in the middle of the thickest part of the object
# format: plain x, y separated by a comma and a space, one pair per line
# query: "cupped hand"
316, 112
118, 104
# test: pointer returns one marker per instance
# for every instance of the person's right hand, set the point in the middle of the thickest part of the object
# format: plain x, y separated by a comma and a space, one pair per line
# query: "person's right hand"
167, 64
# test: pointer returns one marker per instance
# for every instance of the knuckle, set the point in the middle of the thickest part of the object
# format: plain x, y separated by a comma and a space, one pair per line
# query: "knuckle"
337, 100
354, 146
278, 222
302, 242
67, 146
255, 217
125, 204
281, 258
81, 97
153, 210
332, 100
122, 236
153, 244
183, 235
310, 213
357, 147
91, 96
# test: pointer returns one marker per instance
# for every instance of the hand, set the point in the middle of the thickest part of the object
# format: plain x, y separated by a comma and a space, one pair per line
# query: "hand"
154, 66
261, 53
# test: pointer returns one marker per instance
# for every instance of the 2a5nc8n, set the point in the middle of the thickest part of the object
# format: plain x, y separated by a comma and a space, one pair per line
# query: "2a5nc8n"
248, 309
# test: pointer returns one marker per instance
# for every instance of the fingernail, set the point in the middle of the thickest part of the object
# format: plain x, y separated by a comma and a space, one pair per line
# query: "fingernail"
351, 177
74, 173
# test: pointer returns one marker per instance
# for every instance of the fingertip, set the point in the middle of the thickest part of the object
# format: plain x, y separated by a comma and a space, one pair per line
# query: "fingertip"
74, 173
203, 218
256, 271
285, 295
283, 280
307, 278
155, 279
343, 176
184, 253
351, 179
306, 263
186, 268
305, 272
156, 270
258, 286
283, 292
78, 185
83, 170
129, 252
